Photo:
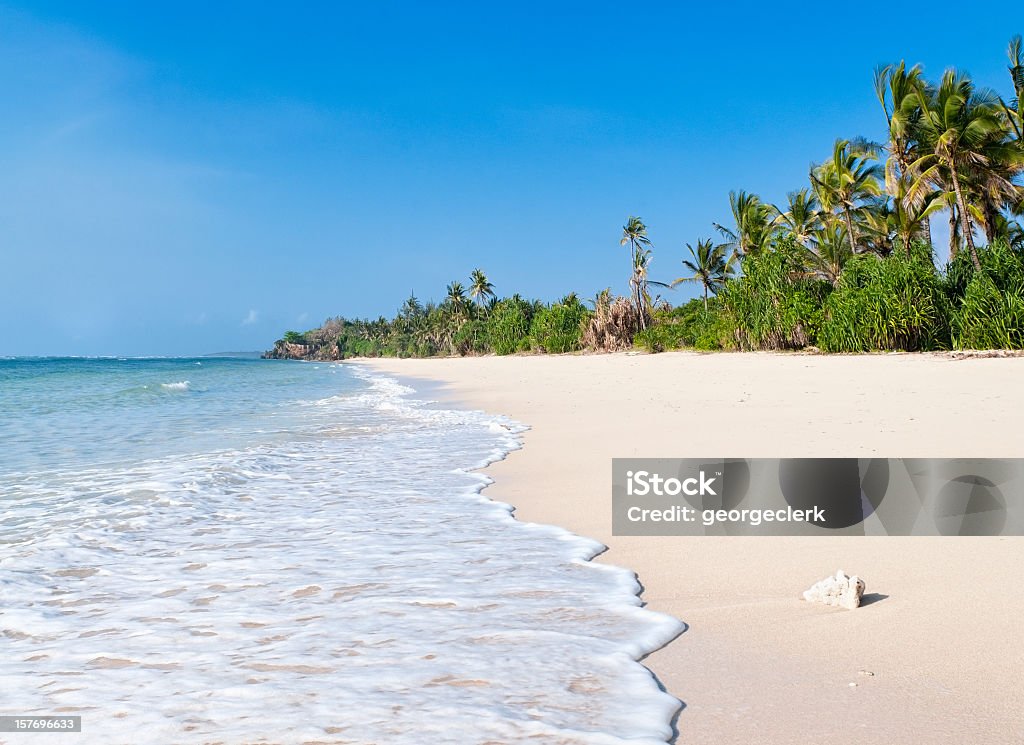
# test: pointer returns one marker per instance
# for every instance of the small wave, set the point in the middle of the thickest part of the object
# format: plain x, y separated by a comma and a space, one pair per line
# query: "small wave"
184, 385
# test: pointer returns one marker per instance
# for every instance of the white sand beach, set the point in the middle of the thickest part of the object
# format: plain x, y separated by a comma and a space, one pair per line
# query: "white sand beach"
934, 656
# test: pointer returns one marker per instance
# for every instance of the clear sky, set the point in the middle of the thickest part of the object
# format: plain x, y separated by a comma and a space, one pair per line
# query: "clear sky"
194, 177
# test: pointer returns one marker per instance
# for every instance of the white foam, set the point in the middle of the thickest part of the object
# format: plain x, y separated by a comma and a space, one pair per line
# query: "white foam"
349, 587
183, 385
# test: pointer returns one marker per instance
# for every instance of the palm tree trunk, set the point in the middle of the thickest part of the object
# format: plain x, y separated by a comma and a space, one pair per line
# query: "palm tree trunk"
991, 213
926, 230
964, 219
849, 230
954, 239
705, 299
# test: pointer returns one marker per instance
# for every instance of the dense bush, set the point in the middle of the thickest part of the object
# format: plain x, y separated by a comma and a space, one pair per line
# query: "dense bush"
508, 327
773, 305
659, 336
558, 327
988, 308
896, 303
471, 338
687, 326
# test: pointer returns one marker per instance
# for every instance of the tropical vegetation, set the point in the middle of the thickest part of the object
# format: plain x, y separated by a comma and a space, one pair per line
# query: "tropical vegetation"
846, 264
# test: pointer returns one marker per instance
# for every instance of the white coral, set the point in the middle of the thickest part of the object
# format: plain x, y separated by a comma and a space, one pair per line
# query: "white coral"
840, 590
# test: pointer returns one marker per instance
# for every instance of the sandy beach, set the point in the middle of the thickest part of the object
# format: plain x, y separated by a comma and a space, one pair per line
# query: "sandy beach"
934, 655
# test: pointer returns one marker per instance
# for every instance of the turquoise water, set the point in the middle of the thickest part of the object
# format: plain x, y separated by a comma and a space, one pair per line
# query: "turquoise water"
239, 551
63, 412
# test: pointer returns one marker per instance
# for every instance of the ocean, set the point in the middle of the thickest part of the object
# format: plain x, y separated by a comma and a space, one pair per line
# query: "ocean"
255, 551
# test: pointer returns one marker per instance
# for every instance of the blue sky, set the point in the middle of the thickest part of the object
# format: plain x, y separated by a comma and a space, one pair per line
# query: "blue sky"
181, 179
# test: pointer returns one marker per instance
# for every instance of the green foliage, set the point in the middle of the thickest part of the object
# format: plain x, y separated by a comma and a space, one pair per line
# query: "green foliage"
508, 327
773, 305
688, 326
896, 303
471, 338
659, 337
351, 344
557, 328
294, 337
989, 306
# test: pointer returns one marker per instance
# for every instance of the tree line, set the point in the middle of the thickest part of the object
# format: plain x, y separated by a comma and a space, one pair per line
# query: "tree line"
847, 263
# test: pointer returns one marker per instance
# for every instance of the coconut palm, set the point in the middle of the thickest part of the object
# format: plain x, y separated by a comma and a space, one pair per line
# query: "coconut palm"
709, 266
876, 227
755, 224
830, 253
909, 221
802, 216
993, 188
634, 234
640, 285
959, 124
571, 299
1015, 234
897, 90
1014, 113
456, 300
480, 289
847, 182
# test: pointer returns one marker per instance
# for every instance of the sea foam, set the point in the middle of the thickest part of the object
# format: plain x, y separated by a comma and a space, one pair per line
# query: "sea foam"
350, 584
183, 385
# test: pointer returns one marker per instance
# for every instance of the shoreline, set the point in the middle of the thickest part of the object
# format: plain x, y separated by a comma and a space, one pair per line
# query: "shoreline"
756, 663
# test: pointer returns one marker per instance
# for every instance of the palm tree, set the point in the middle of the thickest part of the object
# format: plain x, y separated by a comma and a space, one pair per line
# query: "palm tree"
1015, 234
910, 220
571, 299
876, 227
480, 289
847, 181
640, 286
456, 300
634, 234
830, 253
993, 185
755, 223
897, 90
709, 267
959, 123
803, 216
1015, 114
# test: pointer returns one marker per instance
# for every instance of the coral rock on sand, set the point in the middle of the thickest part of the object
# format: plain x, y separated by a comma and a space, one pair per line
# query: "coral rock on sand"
840, 590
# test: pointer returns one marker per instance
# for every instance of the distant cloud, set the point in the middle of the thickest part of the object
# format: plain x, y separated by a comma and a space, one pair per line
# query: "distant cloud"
302, 318
254, 315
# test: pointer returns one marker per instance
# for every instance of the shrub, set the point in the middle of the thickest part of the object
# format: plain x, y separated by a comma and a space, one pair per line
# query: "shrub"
508, 326
558, 328
471, 338
294, 337
612, 325
895, 303
773, 305
989, 310
660, 336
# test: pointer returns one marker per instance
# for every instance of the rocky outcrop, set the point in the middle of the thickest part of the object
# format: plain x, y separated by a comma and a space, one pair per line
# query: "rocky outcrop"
839, 590
287, 351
